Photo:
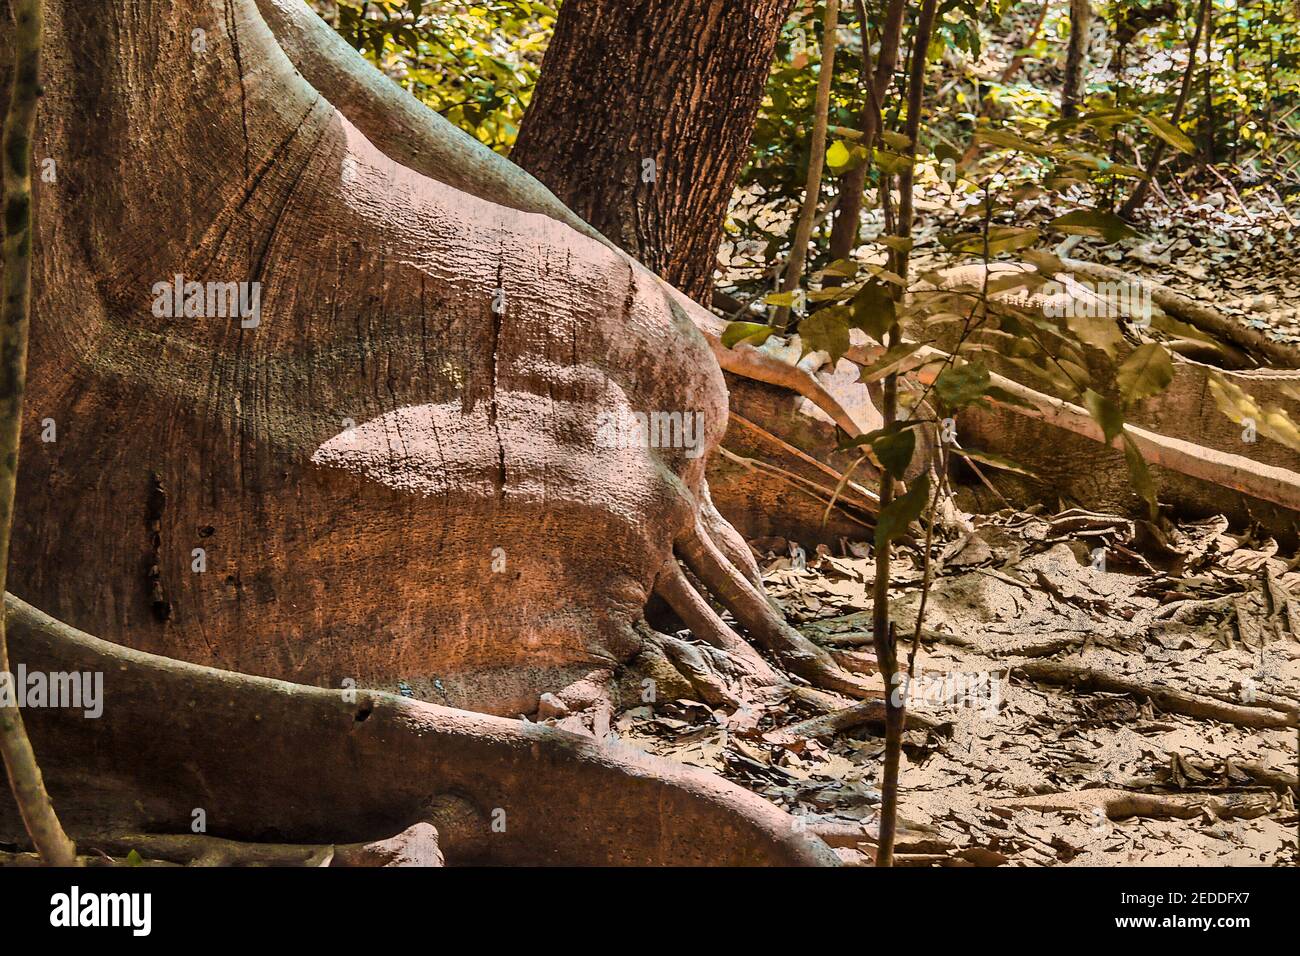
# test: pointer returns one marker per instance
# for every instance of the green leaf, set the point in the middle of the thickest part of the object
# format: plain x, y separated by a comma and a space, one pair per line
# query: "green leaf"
844, 268
782, 299
1105, 413
944, 151
897, 243
826, 330
873, 310
896, 140
1097, 331
134, 859
755, 333
1271, 421
1146, 372
1000, 239
1097, 223
959, 386
1006, 139
892, 163
838, 155
895, 450
1170, 133
895, 517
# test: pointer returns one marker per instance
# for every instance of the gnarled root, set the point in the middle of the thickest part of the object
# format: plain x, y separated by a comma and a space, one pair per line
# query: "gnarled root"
762, 621
1121, 804
270, 761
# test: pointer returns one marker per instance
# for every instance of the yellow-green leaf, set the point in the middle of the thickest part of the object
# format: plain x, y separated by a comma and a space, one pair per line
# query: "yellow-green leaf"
1146, 372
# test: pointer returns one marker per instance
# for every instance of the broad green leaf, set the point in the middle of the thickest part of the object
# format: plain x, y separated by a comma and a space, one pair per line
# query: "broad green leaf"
892, 163
1096, 223
835, 293
1006, 139
959, 386
845, 268
1271, 421
782, 299
871, 436
1099, 332
1105, 413
755, 333
896, 140
1146, 372
1000, 239
944, 152
894, 518
897, 243
837, 155
894, 450
826, 330
1170, 133
873, 310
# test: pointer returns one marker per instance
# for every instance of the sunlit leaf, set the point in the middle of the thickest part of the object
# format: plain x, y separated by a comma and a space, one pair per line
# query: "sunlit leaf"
826, 330
1148, 371
755, 333
1097, 223
895, 518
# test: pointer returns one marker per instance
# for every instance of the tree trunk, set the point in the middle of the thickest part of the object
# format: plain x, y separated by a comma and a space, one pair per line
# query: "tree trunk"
1076, 57
848, 213
642, 118
395, 470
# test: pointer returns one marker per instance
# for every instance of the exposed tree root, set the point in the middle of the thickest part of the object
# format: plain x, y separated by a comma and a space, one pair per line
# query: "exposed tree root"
762, 621
270, 761
728, 540
1121, 804
706, 625
415, 846
868, 713
420, 139
1204, 317
1265, 482
1173, 701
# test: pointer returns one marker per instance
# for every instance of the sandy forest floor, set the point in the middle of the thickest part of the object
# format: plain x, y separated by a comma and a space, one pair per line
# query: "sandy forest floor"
1019, 768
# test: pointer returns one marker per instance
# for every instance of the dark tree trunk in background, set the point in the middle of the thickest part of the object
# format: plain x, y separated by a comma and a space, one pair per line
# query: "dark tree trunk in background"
642, 118
848, 214
1076, 56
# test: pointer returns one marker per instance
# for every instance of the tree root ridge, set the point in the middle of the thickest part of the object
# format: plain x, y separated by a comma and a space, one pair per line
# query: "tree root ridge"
271, 761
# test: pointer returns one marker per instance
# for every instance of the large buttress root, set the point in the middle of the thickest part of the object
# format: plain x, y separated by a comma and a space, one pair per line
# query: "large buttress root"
270, 761
761, 620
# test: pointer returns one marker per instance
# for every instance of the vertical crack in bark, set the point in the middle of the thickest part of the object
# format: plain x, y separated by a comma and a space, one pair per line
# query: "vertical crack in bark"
497, 316
239, 67
154, 507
